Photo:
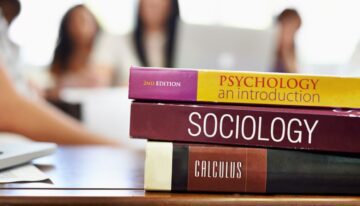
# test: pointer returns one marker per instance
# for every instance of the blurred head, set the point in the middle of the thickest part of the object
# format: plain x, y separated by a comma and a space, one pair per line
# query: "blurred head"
79, 24
289, 21
78, 27
10, 9
156, 15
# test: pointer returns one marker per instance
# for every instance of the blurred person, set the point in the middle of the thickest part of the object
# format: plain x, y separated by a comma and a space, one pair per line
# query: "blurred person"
34, 119
289, 22
152, 43
9, 51
39, 121
155, 32
10, 9
72, 65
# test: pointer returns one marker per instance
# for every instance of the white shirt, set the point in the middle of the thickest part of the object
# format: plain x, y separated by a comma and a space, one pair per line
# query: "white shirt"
9, 51
116, 51
154, 47
9, 58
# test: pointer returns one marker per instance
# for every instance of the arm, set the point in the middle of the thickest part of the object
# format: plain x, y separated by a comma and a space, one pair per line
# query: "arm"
39, 121
289, 59
287, 50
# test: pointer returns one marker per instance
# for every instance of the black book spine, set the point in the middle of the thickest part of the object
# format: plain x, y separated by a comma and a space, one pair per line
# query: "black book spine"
207, 168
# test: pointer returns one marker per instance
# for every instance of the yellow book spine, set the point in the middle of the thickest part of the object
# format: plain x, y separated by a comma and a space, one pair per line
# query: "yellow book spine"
278, 89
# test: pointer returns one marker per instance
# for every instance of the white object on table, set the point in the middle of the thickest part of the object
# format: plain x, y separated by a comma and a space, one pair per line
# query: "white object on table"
105, 111
22, 173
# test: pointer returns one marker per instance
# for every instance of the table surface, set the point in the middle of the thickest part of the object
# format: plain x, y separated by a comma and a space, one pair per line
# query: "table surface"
112, 176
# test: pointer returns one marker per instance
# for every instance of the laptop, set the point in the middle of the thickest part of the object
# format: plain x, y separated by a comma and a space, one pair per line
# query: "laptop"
12, 154
227, 48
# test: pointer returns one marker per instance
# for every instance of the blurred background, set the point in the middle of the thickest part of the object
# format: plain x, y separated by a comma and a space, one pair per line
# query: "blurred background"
76, 54
326, 41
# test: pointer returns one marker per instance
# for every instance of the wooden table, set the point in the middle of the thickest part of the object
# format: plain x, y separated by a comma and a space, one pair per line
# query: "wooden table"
109, 176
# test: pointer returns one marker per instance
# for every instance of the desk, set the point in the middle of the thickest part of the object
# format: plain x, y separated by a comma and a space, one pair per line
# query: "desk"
109, 176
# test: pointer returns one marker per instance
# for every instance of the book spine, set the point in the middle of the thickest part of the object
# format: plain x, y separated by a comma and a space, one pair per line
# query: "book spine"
202, 168
248, 126
243, 87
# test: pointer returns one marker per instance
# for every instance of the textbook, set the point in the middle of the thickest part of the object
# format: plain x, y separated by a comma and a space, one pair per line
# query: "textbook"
320, 129
204, 168
243, 87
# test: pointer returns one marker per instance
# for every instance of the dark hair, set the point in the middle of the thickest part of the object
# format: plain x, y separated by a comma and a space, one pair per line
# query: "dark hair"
11, 4
65, 45
171, 26
288, 13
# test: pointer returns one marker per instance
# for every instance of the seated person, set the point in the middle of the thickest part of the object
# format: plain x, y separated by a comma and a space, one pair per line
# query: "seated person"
34, 119
289, 22
152, 43
155, 32
72, 65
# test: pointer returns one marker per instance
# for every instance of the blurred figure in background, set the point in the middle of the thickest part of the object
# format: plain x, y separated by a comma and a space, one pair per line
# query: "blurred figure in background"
9, 51
289, 22
155, 32
20, 114
152, 43
72, 65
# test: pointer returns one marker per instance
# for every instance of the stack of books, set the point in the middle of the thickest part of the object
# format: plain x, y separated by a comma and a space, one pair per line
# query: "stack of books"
229, 131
